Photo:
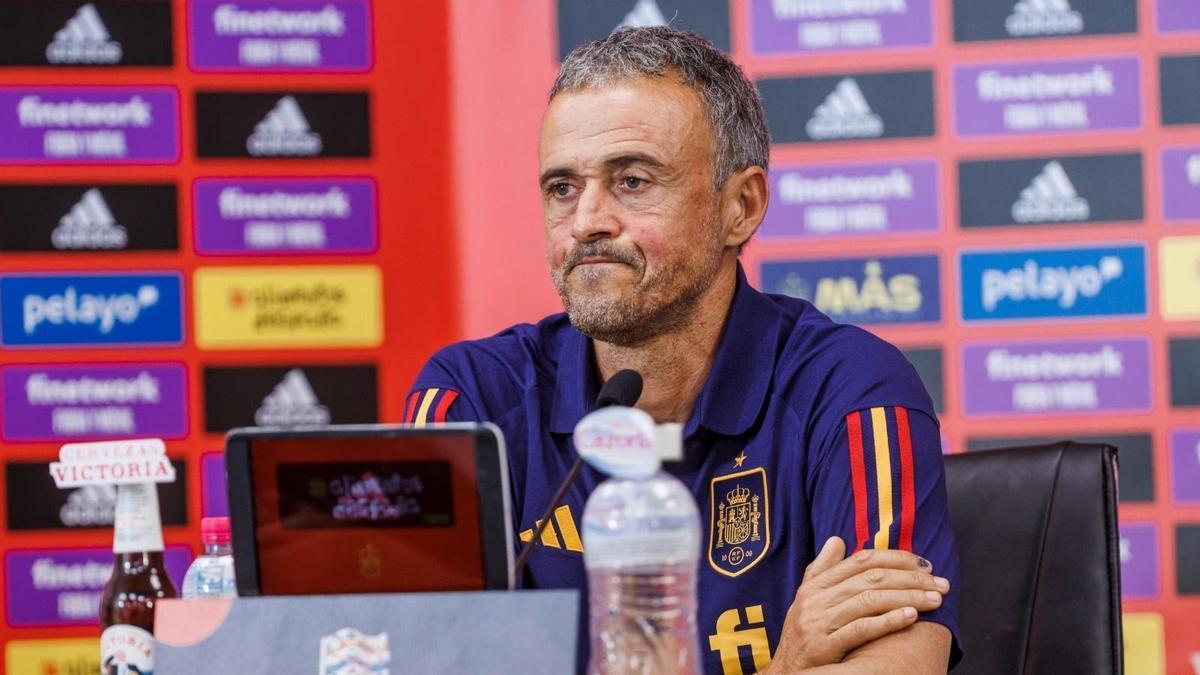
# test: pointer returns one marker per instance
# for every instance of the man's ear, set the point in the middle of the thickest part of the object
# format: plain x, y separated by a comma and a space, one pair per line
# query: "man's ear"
744, 201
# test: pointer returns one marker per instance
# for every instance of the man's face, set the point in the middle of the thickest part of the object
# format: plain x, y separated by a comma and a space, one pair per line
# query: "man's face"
633, 236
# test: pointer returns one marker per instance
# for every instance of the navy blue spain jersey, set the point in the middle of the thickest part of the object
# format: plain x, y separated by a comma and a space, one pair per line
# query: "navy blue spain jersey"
805, 429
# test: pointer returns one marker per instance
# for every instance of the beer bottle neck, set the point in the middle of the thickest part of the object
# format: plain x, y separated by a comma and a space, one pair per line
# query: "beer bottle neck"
137, 526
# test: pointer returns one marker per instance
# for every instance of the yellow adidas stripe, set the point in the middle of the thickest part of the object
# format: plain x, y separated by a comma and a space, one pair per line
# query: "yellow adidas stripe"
883, 475
426, 403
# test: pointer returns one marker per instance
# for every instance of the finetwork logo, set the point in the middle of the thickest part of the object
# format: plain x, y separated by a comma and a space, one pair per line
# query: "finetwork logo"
89, 224
85, 40
845, 113
1050, 198
1193, 169
292, 402
1043, 17
284, 131
644, 14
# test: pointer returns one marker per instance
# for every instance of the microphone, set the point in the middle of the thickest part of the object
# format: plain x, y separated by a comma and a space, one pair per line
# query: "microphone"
622, 389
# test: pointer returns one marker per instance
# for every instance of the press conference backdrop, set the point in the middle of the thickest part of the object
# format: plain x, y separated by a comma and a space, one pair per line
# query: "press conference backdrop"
219, 213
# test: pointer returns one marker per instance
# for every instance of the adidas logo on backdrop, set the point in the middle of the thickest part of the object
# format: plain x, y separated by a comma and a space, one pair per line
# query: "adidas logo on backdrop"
89, 225
1050, 198
643, 15
844, 114
284, 131
1043, 17
292, 403
84, 39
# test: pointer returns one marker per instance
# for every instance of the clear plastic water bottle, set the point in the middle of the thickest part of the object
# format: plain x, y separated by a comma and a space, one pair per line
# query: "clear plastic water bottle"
641, 542
211, 574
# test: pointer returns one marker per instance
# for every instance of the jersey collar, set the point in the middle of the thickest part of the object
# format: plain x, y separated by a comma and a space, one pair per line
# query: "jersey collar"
734, 393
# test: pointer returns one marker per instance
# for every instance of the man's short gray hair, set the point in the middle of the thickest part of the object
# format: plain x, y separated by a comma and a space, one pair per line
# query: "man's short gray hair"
734, 109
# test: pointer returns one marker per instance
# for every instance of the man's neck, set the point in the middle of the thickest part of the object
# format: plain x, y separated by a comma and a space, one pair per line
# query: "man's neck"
674, 366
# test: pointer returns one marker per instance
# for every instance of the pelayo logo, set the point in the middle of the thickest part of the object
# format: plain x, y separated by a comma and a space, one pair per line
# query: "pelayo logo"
899, 289
1053, 283
92, 309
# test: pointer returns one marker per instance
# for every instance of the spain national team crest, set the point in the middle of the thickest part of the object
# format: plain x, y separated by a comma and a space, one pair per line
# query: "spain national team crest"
739, 532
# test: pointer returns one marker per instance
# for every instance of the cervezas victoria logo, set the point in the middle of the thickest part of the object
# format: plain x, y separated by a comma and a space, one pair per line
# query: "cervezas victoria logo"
90, 224
299, 305
84, 40
844, 114
1050, 198
284, 131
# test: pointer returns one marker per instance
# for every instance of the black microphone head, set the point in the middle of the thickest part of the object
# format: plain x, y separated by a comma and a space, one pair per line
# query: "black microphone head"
623, 388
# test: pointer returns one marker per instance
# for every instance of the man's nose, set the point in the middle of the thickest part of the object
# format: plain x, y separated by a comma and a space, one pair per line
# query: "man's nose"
594, 216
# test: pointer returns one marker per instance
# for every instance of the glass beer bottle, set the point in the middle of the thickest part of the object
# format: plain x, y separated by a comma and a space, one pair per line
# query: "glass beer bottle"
138, 581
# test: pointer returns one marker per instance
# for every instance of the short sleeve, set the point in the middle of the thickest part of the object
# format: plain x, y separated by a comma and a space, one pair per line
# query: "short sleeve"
882, 485
437, 398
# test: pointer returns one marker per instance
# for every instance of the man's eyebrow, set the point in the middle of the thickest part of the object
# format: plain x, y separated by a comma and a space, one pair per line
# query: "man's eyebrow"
615, 161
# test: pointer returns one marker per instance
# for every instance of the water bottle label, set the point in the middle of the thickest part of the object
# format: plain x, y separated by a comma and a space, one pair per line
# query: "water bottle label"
633, 549
126, 649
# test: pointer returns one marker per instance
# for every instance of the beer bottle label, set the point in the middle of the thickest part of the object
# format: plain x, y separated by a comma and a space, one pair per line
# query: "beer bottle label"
126, 649
137, 526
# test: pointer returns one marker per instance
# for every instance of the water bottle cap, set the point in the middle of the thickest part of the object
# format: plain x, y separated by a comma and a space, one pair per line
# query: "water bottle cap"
215, 530
618, 441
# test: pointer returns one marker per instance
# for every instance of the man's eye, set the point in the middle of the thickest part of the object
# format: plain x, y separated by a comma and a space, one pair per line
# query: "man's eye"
633, 182
560, 189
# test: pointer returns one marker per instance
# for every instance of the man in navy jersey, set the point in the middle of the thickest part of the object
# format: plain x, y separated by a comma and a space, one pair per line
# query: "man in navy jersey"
811, 448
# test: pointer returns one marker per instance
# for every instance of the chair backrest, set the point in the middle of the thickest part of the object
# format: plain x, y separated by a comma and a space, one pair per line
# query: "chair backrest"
1040, 586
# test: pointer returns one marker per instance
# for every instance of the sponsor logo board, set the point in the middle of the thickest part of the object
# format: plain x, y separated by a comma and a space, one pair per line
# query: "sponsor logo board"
1187, 550
862, 106
214, 498
1021, 19
1138, 547
304, 35
1179, 277
90, 309
289, 395
845, 199
312, 306
34, 502
1184, 363
1181, 183
1050, 190
1137, 456
779, 27
581, 21
1142, 637
1185, 466
264, 216
928, 363
884, 289
89, 124
89, 218
1177, 15
66, 656
86, 401
1177, 78
1041, 97
96, 33
1056, 376
272, 125
1053, 283
62, 587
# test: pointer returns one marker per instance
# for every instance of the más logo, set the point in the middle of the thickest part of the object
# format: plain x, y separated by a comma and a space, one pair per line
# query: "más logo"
289, 395
1056, 376
89, 124
1053, 283
76, 402
90, 309
853, 199
97, 33
1177, 77
1042, 18
265, 125
312, 35
1181, 183
797, 26
1038, 190
35, 502
849, 107
581, 21
1050, 96
862, 290
257, 216
88, 218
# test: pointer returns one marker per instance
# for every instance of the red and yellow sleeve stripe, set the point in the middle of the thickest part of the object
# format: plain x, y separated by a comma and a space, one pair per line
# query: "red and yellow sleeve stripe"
428, 406
881, 475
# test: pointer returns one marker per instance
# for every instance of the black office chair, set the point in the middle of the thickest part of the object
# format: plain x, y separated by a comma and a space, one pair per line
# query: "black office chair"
1040, 584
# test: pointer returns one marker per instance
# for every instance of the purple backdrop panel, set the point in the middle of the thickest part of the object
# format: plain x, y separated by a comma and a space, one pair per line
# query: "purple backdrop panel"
1178, 15
1139, 560
1056, 376
214, 498
778, 28
301, 35
1181, 181
1185, 466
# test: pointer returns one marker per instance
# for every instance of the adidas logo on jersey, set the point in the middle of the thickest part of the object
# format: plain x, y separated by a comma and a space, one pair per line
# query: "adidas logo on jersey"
844, 114
84, 39
1043, 17
643, 15
284, 131
563, 524
292, 403
89, 225
1050, 198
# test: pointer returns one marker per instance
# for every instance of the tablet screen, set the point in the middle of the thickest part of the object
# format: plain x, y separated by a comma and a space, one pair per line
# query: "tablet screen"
355, 515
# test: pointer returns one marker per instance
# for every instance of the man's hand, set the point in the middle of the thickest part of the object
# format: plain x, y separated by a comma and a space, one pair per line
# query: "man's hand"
844, 604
